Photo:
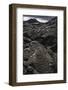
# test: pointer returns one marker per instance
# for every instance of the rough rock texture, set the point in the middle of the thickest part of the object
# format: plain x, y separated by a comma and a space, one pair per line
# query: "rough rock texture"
40, 46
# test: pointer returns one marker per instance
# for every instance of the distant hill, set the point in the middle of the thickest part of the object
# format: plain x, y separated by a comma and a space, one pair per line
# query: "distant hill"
32, 21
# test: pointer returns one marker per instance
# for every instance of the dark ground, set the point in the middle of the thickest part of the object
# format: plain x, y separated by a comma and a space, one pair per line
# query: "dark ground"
40, 46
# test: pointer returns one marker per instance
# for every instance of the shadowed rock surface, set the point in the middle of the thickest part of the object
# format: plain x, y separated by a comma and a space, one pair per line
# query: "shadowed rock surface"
40, 46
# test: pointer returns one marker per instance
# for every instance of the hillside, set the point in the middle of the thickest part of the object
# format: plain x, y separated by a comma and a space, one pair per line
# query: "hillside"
40, 46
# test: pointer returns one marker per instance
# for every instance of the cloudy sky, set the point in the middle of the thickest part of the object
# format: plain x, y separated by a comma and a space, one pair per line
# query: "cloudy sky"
39, 18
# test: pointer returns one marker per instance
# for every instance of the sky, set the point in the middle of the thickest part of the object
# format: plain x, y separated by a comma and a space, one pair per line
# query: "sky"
39, 18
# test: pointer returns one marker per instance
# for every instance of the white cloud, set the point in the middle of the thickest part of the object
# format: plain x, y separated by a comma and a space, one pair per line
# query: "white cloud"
41, 20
